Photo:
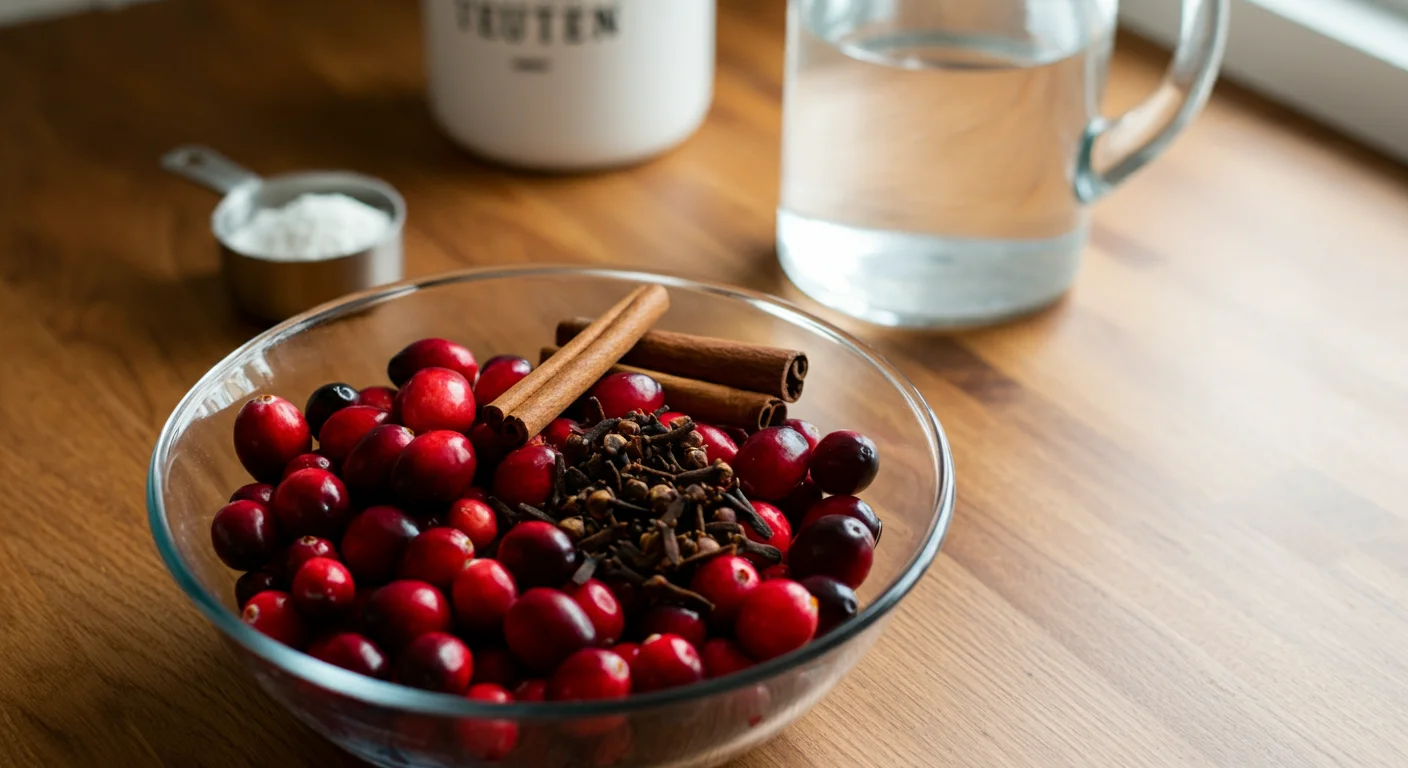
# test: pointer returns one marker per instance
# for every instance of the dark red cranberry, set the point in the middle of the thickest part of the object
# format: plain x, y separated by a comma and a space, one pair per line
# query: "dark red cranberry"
846, 506
799, 502
538, 554
496, 665
531, 690
245, 534
632, 600
350, 650
403, 610
436, 661
499, 373
303, 549
346, 428
717, 444
323, 589
725, 581
621, 393
627, 651
674, 620
312, 502
779, 571
476, 519
779, 616
807, 430
375, 541
666, 661
269, 432
602, 608
327, 400
845, 462
489, 447
781, 529
436, 398
484, 739
482, 595
431, 353
262, 493
437, 556
771, 462
367, 469
546, 626
836, 546
836, 602
250, 584
590, 674
383, 398
559, 430
525, 476
309, 461
668, 417
272, 613
433, 470
722, 656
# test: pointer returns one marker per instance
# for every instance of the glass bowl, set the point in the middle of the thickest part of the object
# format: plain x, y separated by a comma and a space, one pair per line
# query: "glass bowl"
515, 311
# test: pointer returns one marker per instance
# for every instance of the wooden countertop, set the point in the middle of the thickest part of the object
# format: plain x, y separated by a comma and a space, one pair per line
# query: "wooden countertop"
1180, 537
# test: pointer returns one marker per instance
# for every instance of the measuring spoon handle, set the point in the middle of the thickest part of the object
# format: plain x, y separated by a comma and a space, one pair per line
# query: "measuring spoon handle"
207, 168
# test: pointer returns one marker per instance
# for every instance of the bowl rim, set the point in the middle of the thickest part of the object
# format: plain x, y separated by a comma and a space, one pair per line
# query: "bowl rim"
390, 695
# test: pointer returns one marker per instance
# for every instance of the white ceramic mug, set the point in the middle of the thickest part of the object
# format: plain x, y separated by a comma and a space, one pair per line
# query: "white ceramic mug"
569, 84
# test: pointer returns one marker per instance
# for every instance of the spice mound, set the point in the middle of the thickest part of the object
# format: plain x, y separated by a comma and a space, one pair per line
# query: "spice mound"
311, 227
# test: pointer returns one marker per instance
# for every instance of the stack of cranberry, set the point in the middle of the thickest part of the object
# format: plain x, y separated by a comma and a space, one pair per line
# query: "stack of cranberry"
362, 552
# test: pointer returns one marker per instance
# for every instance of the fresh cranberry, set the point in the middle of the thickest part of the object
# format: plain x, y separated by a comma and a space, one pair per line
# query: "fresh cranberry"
496, 665
538, 554
546, 626
312, 502
836, 546
323, 589
245, 534
482, 594
836, 602
779, 616
781, 529
302, 550
525, 476
327, 400
431, 353
367, 469
262, 493
350, 650
272, 613
403, 610
668, 417
621, 393
269, 432
346, 428
779, 571
725, 581
383, 398
807, 430
627, 651
590, 674
437, 556
498, 375
433, 470
375, 541
602, 608
717, 444
559, 430
799, 502
250, 584
476, 519
436, 398
771, 462
435, 661
308, 461
488, 740
845, 462
666, 661
674, 620
531, 690
846, 506
722, 656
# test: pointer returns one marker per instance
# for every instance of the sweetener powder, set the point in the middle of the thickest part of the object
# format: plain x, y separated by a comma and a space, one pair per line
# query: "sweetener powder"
312, 227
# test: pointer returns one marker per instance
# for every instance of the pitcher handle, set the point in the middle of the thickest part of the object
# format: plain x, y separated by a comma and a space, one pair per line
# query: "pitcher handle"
1113, 149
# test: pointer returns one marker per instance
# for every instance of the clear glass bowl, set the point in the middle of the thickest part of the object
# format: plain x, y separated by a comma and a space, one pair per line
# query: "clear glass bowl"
514, 311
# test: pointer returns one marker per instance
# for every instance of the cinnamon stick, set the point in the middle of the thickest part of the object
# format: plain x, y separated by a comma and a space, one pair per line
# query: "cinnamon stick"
708, 402
750, 367
541, 396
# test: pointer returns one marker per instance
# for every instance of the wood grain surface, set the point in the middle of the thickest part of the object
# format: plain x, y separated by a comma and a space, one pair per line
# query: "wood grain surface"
1182, 535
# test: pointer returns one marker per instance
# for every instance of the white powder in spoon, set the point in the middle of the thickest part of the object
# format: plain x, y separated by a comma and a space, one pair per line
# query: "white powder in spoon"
312, 227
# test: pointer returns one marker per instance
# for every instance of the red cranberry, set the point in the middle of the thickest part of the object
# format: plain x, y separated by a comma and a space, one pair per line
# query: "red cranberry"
346, 428
836, 546
771, 462
245, 534
666, 661
350, 650
273, 614
367, 469
483, 593
538, 554
327, 400
476, 519
489, 447
437, 556
383, 398
725, 581
717, 444
312, 502
375, 541
781, 529
559, 430
846, 506
627, 651
250, 584
602, 608
531, 690
436, 398
836, 602
799, 502
590, 674
526, 476
431, 353
621, 393
546, 626
323, 589
498, 375
302, 550
674, 620
807, 430
722, 656
668, 417
435, 661
497, 666
403, 610
488, 740
779, 616
845, 462
308, 461
261, 493
269, 432
433, 470
779, 571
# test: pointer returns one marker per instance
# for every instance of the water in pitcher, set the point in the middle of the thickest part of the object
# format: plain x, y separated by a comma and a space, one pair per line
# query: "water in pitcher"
927, 175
